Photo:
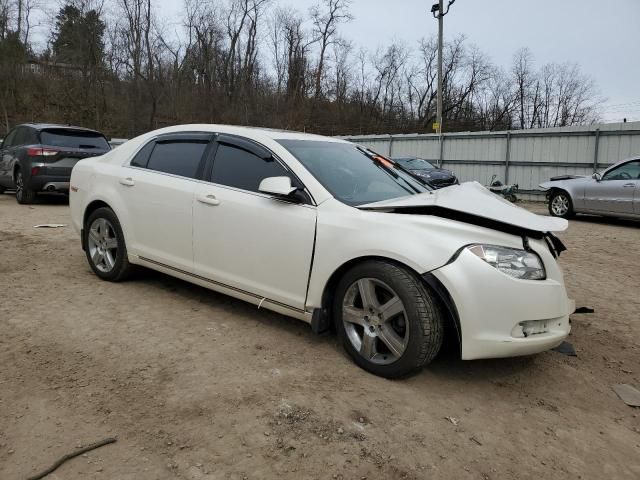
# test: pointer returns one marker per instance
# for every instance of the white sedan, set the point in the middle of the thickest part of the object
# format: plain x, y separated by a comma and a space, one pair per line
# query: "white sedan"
331, 233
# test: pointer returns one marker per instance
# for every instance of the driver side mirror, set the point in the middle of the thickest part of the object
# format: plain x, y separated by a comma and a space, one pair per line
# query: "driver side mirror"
596, 176
278, 186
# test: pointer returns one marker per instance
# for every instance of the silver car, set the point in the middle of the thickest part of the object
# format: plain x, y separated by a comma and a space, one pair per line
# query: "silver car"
615, 192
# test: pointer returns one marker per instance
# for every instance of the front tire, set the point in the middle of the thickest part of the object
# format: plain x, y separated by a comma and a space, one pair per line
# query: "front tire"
560, 204
105, 246
24, 195
387, 319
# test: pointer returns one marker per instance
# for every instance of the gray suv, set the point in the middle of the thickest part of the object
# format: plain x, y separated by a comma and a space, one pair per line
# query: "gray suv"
37, 157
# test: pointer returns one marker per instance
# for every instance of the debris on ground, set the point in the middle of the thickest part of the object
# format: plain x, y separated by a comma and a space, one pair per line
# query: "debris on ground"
628, 394
453, 420
69, 456
566, 348
50, 225
584, 310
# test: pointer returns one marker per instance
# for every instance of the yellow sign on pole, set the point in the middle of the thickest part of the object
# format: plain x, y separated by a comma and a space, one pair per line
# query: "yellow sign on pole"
436, 126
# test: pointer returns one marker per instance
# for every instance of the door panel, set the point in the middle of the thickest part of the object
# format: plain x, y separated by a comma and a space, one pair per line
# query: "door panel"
616, 191
252, 242
160, 209
614, 196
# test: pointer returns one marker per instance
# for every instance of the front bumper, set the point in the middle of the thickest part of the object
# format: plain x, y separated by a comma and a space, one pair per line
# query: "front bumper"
492, 307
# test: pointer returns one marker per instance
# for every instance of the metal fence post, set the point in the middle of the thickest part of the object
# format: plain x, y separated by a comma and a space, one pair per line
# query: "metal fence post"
390, 145
440, 158
507, 157
595, 151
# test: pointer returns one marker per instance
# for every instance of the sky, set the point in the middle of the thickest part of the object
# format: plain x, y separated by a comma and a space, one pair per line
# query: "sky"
602, 36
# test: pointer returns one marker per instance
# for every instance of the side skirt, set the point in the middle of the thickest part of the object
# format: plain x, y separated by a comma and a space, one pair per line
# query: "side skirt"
238, 293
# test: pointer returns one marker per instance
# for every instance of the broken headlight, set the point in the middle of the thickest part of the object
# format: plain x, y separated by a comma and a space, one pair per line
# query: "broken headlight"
514, 262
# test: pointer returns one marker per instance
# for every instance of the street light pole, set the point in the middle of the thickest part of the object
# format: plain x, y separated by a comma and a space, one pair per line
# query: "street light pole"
439, 12
440, 36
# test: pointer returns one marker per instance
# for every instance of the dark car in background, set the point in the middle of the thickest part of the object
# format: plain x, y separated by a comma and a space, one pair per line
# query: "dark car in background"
427, 172
37, 157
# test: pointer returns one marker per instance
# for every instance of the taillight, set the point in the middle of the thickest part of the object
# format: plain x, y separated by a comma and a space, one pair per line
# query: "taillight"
35, 171
41, 152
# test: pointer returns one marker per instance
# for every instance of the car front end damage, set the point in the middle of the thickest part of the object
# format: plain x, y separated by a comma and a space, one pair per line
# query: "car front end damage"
506, 297
503, 316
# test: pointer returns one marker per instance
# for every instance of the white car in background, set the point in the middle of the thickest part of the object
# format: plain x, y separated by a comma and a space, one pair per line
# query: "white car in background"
331, 233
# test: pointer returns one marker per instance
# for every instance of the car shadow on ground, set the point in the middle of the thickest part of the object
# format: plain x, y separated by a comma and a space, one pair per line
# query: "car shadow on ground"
205, 297
47, 198
447, 365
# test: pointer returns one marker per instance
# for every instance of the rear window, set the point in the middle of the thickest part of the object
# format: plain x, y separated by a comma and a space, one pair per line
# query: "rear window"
73, 139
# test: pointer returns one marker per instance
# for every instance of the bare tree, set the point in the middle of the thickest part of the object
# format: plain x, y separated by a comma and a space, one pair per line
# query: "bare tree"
325, 26
237, 61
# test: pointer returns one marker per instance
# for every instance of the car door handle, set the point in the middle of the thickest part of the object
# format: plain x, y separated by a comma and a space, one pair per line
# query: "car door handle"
208, 199
627, 185
127, 182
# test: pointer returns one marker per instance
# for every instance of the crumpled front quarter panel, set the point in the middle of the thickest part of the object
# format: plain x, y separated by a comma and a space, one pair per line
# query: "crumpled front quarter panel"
421, 242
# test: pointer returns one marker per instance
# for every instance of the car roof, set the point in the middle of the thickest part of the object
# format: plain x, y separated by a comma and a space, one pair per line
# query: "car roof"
46, 126
250, 132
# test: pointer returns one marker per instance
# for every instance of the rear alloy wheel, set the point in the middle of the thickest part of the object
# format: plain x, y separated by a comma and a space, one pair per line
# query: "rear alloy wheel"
105, 247
387, 319
24, 195
560, 204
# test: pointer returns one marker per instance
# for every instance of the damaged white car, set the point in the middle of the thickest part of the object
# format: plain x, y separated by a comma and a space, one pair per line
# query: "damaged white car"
330, 233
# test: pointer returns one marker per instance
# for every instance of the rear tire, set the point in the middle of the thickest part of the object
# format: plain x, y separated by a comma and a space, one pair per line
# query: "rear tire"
105, 247
387, 320
560, 204
24, 195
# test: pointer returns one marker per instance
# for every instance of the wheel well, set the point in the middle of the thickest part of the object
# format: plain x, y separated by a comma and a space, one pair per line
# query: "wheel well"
92, 207
452, 332
553, 190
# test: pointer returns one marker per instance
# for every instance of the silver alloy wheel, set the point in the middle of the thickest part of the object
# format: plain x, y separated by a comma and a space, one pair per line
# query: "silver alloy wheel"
560, 205
375, 321
102, 244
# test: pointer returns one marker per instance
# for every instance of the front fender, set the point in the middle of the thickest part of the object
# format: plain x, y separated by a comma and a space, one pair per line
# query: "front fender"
421, 242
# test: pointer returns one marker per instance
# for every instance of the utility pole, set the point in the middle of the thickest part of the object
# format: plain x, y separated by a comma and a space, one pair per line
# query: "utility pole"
438, 11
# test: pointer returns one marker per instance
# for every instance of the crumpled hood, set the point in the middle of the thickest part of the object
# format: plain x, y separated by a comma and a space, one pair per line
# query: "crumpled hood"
471, 198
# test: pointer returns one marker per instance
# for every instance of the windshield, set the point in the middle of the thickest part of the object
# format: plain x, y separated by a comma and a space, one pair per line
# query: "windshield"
351, 174
414, 163
73, 139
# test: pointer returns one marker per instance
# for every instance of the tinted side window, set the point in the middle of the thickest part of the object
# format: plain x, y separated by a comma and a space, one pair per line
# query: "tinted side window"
238, 168
8, 141
628, 171
142, 157
21, 137
178, 158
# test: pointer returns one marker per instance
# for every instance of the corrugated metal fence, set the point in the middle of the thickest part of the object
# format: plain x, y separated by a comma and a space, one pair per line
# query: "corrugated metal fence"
525, 157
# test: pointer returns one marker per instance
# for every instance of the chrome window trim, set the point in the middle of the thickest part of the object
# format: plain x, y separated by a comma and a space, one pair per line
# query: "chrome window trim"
226, 187
127, 164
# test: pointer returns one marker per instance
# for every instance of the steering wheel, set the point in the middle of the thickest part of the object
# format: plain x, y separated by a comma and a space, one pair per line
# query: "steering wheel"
625, 176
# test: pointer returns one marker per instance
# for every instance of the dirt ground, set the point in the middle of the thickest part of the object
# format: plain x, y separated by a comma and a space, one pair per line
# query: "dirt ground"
196, 385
